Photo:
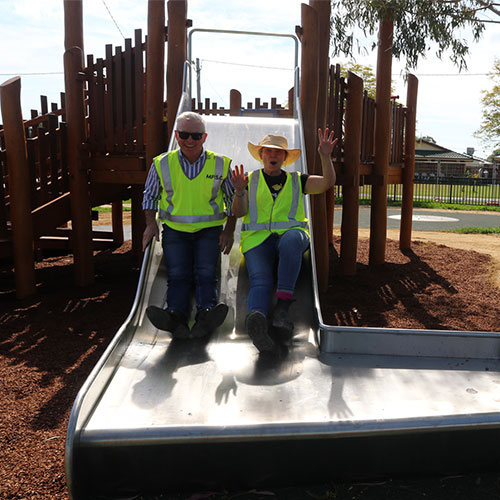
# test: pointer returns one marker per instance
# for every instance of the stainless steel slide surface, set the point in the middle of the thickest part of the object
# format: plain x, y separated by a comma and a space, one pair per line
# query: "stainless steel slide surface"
157, 413
161, 384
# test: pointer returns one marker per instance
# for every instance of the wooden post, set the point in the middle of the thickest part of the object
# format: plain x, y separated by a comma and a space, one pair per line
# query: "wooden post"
73, 24
378, 214
117, 221
78, 177
155, 144
409, 165
155, 62
350, 190
19, 187
309, 106
234, 102
176, 55
327, 199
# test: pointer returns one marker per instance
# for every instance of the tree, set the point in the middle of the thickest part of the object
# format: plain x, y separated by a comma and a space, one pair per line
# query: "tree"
417, 24
489, 131
495, 154
427, 138
364, 72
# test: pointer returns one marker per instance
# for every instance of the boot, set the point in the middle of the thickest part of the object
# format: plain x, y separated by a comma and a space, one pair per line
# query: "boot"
256, 325
207, 320
169, 320
281, 316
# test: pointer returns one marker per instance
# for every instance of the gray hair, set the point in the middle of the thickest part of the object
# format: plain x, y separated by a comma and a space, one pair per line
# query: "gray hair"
190, 116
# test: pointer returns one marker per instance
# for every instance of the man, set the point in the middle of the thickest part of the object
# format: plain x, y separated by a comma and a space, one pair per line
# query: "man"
191, 188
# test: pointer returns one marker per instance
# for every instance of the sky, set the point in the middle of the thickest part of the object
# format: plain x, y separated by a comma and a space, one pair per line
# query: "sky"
32, 46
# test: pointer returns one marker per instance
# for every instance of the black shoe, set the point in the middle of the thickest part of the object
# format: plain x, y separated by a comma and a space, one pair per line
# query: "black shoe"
207, 320
281, 317
256, 325
171, 321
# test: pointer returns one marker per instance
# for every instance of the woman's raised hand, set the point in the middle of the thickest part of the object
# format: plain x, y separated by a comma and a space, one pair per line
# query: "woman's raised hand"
326, 141
240, 179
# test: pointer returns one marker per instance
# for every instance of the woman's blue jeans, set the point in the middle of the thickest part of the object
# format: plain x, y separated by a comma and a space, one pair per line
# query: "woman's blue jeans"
191, 260
287, 250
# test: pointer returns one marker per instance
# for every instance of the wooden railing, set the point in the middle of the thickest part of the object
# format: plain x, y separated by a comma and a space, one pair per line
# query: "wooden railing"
4, 187
116, 99
368, 129
398, 122
335, 116
336, 108
256, 108
46, 149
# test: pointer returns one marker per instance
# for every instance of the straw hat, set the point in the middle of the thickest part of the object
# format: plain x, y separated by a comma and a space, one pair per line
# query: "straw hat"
276, 142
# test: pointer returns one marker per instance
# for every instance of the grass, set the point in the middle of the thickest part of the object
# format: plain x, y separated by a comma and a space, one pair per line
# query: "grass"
127, 207
475, 230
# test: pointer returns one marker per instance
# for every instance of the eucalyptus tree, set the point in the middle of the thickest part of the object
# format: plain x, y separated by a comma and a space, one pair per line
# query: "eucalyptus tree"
419, 26
489, 131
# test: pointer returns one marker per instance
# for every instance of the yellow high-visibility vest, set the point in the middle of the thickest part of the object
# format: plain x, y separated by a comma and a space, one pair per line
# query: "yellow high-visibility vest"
192, 204
267, 215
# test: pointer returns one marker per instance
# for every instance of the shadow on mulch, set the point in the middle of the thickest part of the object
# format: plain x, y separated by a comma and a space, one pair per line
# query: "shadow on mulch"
61, 331
428, 287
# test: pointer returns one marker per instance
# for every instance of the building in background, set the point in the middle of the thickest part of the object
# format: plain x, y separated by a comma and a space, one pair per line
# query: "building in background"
433, 160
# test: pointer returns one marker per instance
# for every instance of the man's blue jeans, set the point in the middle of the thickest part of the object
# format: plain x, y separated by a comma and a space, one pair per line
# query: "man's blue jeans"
287, 249
191, 260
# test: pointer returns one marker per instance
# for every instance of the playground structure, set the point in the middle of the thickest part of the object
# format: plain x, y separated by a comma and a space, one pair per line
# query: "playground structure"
156, 414
96, 146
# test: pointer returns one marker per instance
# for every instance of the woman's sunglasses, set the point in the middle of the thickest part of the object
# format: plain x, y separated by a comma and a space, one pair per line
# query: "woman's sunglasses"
195, 135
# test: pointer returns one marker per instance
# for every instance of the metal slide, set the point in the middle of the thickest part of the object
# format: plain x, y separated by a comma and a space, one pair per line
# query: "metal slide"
157, 414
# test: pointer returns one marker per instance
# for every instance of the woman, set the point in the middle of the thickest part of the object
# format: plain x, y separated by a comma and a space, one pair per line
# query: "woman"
275, 228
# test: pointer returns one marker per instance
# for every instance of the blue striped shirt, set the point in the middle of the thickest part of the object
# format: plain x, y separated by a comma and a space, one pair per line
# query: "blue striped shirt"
191, 170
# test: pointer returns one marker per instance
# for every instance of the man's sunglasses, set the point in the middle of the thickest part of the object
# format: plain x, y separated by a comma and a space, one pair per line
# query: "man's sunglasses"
195, 135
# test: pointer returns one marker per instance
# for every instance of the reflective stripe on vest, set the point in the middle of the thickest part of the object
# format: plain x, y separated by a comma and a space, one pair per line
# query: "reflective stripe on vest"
191, 219
253, 225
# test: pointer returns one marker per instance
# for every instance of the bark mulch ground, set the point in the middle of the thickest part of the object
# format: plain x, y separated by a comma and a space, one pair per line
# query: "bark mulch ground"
49, 343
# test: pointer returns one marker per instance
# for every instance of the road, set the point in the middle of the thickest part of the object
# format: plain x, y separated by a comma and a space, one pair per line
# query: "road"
429, 220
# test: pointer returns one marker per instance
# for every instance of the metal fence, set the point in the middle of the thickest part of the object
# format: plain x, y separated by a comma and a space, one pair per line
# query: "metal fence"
451, 190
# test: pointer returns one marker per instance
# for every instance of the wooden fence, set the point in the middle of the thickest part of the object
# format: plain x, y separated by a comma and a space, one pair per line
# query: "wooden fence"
4, 188
335, 116
46, 149
256, 108
116, 103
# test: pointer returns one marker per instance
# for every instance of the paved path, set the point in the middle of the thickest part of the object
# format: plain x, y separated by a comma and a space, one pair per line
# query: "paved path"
429, 220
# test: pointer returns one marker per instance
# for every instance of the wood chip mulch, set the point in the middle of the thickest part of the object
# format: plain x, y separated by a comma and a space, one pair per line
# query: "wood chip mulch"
49, 343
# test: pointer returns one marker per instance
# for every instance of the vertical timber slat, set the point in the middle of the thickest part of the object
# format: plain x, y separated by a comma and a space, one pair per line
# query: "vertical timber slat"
234, 102
118, 100
110, 117
99, 118
129, 97
54, 160
139, 92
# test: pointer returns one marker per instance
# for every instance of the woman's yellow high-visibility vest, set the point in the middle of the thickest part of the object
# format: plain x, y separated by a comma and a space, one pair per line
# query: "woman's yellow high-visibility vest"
192, 204
267, 215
